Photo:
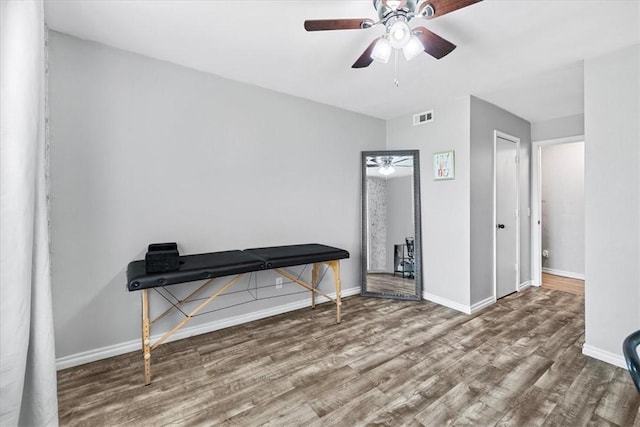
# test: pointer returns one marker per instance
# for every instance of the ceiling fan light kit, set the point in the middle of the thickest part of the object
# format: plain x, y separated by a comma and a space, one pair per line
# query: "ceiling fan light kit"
396, 15
382, 51
399, 33
387, 165
413, 48
386, 169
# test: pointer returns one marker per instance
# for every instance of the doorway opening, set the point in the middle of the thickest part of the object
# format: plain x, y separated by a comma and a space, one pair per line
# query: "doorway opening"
558, 214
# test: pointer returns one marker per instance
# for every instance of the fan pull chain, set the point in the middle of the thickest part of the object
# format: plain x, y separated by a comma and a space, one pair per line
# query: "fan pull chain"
395, 80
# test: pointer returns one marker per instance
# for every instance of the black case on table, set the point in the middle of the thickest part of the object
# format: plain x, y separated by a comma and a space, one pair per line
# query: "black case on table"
162, 257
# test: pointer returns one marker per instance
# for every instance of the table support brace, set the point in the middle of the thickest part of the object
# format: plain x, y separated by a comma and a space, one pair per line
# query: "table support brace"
147, 347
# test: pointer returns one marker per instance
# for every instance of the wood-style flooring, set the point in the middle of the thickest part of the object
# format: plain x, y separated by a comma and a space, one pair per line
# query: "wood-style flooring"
564, 284
395, 363
389, 283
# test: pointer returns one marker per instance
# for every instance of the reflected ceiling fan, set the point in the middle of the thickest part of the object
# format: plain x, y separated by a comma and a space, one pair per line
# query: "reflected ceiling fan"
388, 164
395, 16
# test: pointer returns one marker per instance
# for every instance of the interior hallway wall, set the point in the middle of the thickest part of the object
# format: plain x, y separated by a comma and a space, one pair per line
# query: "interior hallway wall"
485, 119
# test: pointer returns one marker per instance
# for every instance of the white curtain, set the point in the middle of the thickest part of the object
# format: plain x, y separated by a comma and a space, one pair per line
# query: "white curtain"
27, 356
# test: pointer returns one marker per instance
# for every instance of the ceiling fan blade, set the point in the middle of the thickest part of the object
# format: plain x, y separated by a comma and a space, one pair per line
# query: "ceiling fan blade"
433, 44
365, 59
442, 7
336, 24
401, 160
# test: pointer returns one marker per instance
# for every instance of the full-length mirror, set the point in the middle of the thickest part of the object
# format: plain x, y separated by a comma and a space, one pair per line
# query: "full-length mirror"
391, 240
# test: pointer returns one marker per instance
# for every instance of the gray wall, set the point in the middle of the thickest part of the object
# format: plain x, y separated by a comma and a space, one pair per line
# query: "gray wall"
563, 207
399, 214
145, 151
558, 128
445, 204
485, 118
612, 199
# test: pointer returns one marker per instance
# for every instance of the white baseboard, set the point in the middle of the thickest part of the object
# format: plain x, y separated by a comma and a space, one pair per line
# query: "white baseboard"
482, 304
466, 309
525, 285
569, 274
133, 345
605, 356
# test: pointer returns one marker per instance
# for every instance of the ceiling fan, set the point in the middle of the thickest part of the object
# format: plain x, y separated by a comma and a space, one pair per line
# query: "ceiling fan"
395, 16
388, 164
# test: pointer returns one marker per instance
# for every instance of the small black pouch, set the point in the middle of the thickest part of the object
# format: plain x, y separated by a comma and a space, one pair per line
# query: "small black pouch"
162, 257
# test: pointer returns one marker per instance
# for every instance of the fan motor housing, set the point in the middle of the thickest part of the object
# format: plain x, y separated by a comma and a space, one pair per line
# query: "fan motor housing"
384, 10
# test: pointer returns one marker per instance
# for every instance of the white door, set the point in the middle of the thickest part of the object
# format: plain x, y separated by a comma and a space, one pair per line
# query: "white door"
506, 215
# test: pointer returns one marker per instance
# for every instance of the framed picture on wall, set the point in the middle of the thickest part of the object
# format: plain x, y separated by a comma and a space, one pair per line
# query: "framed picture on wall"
444, 165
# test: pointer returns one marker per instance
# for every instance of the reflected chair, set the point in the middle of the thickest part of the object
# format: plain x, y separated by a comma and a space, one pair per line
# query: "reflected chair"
630, 350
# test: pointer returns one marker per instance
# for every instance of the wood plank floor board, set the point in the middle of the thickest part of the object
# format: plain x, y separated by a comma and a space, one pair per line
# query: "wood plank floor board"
576, 406
358, 411
562, 372
517, 380
223, 406
418, 394
387, 372
597, 421
423, 371
530, 408
563, 284
282, 410
476, 414
330, 398
618, 404
519, 362
449, 406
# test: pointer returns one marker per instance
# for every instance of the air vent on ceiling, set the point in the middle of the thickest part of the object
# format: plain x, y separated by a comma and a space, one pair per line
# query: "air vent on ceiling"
422, 118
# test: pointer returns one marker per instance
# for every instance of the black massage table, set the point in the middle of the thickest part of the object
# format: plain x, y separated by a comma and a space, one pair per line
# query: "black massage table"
229, 263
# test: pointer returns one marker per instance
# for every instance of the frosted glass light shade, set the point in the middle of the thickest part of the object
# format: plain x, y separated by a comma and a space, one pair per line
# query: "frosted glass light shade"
399, 34
381, 51
386, 169
413, 48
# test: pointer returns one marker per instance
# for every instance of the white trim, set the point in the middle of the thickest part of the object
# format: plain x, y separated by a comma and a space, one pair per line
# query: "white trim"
497, 134
536, 214
536, 201
569, 274
605, 356
447, 303
134, 345
524, 285
482, 304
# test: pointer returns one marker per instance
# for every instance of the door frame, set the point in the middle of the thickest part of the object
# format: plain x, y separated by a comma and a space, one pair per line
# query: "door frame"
536, 202
498, 134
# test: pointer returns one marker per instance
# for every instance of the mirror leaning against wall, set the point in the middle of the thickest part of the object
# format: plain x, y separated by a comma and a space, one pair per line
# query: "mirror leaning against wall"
391, 238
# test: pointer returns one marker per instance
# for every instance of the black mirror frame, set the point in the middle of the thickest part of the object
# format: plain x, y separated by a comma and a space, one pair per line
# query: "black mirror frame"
416, 219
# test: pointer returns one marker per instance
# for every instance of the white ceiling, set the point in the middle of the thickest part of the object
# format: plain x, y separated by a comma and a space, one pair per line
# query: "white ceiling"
522, 55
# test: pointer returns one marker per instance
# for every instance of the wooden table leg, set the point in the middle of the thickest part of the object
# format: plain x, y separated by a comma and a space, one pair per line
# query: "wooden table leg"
146, 337
335, 266
314, 283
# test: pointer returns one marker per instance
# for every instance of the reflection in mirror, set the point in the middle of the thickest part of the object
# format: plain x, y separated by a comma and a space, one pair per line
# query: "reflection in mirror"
391, 263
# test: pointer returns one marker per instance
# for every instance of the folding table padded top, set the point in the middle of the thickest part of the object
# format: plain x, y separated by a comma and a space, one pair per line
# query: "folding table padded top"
227, 263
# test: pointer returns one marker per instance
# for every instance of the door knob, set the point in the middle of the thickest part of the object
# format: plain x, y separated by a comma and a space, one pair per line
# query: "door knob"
500, 226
